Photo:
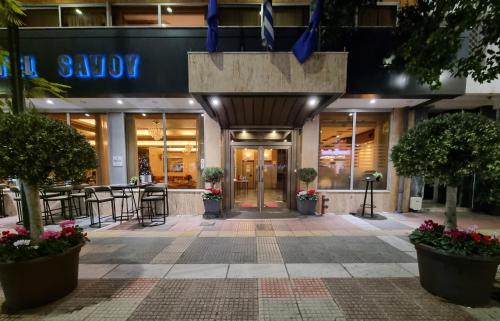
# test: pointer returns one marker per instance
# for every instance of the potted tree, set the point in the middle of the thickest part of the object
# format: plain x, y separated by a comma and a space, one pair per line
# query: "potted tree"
37, 266
144, 169
307, 199
453, 264
212, 197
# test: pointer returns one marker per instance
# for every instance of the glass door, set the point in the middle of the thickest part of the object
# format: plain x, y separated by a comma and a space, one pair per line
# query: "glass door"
260, 177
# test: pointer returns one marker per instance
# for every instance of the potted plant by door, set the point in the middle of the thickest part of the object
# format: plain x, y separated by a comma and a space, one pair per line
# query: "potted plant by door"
37, 266
212, 197
455, 264
144, 169
307, 199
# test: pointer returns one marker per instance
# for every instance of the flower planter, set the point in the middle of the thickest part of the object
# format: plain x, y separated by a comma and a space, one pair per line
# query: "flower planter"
145, 179
39, 281
212, 207
463, 280
306, 207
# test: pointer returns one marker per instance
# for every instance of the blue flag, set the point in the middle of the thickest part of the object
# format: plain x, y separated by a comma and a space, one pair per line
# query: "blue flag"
306, 45
212, 31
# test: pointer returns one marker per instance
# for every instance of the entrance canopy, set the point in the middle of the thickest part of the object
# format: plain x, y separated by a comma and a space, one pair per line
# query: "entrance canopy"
262, 89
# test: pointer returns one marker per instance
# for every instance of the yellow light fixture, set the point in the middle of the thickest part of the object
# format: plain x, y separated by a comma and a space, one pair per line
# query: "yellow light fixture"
156, 131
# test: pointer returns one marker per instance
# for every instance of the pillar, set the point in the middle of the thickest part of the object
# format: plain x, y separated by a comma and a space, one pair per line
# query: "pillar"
117, 149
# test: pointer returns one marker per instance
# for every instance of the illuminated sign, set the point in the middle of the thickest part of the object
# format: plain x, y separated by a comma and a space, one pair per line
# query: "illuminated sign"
83, 66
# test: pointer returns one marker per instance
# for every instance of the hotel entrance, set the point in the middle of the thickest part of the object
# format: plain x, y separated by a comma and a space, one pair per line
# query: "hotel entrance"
260, 171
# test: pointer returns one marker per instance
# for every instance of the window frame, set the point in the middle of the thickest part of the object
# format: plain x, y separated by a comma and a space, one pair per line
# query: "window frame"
380, 4
353, 147
85, 5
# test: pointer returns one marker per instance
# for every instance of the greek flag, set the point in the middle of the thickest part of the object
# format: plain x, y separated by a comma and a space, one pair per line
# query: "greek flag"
212, 31
267, 31
306, 45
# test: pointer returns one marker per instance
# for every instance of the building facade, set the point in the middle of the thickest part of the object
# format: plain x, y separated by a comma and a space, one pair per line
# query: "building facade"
154, 104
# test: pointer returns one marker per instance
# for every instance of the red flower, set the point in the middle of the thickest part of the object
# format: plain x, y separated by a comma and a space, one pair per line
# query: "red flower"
476, 237
311, 191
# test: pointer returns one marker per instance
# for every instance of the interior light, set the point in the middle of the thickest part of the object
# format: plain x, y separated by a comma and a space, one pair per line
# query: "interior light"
313, 101
215, 101
350, 114
87, 115
169, 10
143, 115
78, 11
373, 101
50, 102
274, 132
119, 102
243, 131
285, 140
191, 101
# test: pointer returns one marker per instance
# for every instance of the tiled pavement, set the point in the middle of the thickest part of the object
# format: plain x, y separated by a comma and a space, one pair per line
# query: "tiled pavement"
335, 267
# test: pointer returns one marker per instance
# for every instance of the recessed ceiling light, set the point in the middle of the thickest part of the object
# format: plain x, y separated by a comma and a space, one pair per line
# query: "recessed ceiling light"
313, 101
169, 10
191, 101
243, 131
350, 114
274, 132
143, 115
373, 101
202, 115
285, 140
119, 102
215, 101
78, 11
87, 115
50, 102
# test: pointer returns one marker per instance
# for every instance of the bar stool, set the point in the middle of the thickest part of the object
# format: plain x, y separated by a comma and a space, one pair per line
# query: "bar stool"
150, 198
61, 194
78, 199
91, 198
120, 192
19, 207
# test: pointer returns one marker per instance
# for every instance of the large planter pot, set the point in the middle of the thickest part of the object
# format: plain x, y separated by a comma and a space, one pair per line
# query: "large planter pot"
463, 280
306, 207
145, 179
212, 207
40, 281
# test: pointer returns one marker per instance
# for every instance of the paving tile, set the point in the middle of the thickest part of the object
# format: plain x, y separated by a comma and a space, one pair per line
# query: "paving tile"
279, 309
268, 250
198, 271
319, 309
376, 270
94, 271
215, 250
398, 243
316, 270
257, 271
275, 288
73, 309
127, 271
117, 309
309, 288
410, 267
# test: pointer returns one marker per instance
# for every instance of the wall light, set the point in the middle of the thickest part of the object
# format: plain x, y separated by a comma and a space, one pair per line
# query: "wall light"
119, 102
373, 101
50, 102
215, 101
313, 101
143, 115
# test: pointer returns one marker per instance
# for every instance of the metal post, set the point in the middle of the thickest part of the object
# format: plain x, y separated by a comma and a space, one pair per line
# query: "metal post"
16, 79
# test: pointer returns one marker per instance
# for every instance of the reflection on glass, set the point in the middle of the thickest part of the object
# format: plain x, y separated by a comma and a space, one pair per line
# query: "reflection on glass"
43, 17
275, 178
176, 16
60, 117
246, 175
94, 127
134, 15
247, 16
290, 16
335, 150
372, 148
83, 16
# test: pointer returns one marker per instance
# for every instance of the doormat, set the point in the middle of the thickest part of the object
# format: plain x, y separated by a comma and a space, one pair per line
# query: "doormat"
247, 204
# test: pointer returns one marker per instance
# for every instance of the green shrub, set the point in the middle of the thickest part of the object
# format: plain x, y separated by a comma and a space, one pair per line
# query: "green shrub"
307, 175
213, 175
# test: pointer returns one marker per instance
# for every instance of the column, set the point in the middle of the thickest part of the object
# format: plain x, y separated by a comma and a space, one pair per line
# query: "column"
117, 149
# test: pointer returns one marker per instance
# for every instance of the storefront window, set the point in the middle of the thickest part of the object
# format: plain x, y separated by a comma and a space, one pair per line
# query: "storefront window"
41, 17
177, 16
335, 151
179, 164
290, 16
83, 16
95, 129
135, 15
377, 16
371, 148
239, 16
371, 153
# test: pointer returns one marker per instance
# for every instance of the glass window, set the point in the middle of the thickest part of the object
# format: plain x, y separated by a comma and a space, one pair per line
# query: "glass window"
371, 148
335, 150
95, 129
176, 16
290, 16
135, 15
382, 16
83, 16
183, 152
41, 17
239, 16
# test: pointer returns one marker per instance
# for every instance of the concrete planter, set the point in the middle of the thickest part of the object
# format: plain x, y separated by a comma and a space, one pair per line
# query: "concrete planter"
306, 207
463, 280
40, 281
212, 207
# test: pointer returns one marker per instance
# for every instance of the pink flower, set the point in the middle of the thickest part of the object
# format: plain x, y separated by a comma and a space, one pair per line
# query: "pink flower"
21, 230
67, 223
50, 234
